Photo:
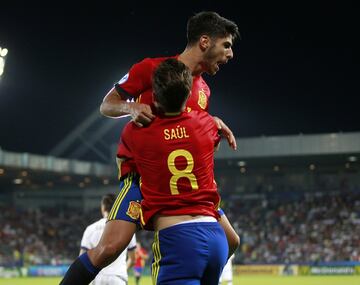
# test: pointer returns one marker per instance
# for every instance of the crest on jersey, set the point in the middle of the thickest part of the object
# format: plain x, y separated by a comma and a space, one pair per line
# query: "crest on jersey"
202, 101
134, 210
125, 77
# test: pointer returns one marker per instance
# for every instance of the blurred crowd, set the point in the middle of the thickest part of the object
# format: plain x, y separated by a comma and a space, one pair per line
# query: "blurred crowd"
41, 236
310, 228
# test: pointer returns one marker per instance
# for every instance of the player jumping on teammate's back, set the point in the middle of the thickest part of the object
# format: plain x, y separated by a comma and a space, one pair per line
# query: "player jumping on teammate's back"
210, 39
180, 198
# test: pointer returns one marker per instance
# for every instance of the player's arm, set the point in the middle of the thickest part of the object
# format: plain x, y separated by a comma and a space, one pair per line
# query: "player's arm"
114, 106
143, 254
226, 132
131, 258
231, 236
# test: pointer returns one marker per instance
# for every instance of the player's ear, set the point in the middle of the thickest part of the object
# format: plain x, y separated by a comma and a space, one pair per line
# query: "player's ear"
204, 42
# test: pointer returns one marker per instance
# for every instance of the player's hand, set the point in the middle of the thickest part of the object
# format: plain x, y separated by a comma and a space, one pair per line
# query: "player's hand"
141, 114
226, 132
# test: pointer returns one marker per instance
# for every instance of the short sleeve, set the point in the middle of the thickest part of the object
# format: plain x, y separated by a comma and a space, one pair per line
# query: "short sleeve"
136, 81
86, 239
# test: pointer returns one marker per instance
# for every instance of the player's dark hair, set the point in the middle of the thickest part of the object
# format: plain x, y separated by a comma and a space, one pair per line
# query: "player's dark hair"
210, 24
172, 82
108, 201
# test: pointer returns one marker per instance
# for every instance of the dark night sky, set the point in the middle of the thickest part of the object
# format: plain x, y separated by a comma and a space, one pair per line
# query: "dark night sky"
294, 71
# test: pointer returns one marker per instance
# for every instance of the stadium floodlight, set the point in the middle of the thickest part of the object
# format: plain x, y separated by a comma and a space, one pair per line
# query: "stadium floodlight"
352, 158
2, 65
3, 53
18, 181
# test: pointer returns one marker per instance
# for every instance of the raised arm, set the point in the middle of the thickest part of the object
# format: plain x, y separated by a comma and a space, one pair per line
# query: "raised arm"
114, 106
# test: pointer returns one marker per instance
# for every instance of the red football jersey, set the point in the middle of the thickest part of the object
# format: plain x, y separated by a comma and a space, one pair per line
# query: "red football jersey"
175, 159
137, 84
139, 257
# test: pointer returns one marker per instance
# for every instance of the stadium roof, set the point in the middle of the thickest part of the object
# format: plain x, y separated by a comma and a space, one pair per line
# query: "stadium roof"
294, 145
330, 151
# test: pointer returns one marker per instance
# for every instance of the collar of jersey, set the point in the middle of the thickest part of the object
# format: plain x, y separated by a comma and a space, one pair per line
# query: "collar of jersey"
172, 114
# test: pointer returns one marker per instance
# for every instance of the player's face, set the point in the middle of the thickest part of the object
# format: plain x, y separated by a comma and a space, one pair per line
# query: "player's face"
219, 52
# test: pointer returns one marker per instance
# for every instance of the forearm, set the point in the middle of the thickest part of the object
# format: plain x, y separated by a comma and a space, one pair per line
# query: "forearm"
231, 235
115, 108
226, 132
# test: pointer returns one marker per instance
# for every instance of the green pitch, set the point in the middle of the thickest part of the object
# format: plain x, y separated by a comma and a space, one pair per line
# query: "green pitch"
244, 280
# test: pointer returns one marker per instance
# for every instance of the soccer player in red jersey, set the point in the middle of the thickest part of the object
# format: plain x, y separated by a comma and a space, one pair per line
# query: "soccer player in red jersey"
210, 39
179, 149
141, 256
180, 199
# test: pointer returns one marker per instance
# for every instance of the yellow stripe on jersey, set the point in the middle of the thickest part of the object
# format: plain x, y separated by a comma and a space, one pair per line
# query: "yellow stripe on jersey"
142, 222
124, 190
157, 257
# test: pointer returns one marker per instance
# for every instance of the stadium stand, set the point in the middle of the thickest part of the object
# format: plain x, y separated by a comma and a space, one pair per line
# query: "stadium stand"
294, 204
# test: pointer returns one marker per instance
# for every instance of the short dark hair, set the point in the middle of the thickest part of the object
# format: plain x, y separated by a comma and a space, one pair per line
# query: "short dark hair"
107, 201
172, 82
211, 24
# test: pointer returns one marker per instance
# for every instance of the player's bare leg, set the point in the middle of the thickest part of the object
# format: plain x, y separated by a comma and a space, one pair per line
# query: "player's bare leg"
114, 240
231, 236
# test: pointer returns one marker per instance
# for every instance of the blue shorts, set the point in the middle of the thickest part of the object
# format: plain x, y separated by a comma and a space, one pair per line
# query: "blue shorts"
137, 271
127, 204
189, 254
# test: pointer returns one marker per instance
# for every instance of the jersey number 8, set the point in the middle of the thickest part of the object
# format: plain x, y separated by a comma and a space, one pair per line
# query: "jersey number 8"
177, 173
